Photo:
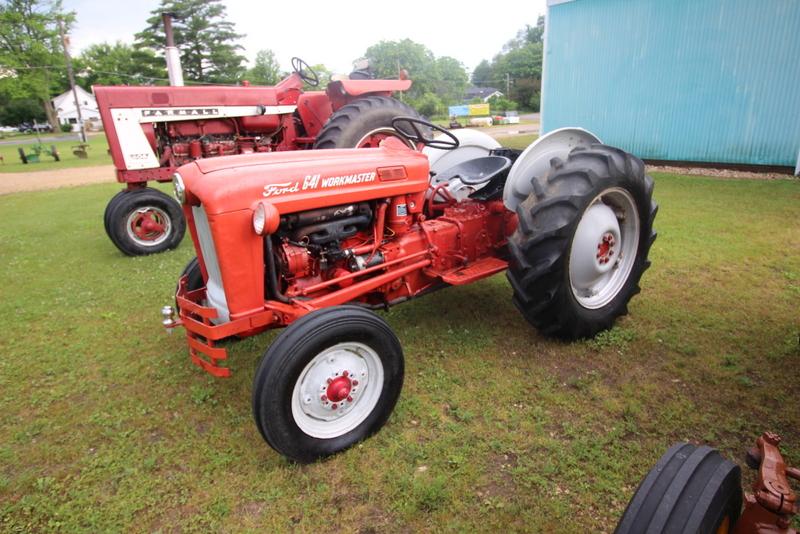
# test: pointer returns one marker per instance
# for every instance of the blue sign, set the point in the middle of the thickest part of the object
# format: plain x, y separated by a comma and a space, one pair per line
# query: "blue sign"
458, 111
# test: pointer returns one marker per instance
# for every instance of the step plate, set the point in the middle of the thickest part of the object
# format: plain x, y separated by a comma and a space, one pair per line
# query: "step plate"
475, 271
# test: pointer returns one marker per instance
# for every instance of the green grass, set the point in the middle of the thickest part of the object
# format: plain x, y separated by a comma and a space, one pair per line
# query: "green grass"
107, 427
98, 155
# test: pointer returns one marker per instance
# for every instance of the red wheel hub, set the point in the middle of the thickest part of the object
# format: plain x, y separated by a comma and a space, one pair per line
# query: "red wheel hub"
605, 248
339, 388
147, 225
374, 140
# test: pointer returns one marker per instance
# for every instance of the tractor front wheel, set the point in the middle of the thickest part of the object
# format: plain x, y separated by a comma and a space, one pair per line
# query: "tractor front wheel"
582, 242
363, 123
330, 380
144, 221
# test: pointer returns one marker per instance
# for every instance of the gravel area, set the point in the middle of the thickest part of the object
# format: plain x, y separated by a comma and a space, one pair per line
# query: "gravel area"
15, 182
721, 173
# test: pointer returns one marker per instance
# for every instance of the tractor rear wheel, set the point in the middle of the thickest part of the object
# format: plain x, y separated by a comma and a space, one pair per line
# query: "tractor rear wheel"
690, 489
145, 221
330, 380
582, 242
363, 123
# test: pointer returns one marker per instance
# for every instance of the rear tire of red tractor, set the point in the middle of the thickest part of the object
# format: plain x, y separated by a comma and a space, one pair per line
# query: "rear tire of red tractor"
690, 489
582, 241
363, 123
145, 221
330, 380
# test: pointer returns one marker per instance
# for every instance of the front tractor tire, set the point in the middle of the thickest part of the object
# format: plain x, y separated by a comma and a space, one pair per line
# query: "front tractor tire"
328, 381
144, 221
363, 123
582, 242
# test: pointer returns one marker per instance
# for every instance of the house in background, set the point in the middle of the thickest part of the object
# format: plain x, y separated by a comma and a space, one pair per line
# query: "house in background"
64, 105
714, 81
484, 93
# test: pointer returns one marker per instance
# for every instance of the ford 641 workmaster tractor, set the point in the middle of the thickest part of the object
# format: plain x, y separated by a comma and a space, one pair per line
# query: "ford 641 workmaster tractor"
314, 240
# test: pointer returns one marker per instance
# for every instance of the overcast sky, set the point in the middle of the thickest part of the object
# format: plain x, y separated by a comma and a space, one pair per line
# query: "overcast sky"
332, 33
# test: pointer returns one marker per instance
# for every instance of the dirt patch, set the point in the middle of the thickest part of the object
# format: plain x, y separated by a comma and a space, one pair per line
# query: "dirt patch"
720, 173
16, 182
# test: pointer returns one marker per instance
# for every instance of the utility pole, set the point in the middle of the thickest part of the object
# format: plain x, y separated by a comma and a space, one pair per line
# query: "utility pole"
171, 54
71, 76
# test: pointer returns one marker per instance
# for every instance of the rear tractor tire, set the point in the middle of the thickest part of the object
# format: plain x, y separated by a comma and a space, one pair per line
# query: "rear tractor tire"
363, 123
328, 381
582, 242
144, 221
690, 489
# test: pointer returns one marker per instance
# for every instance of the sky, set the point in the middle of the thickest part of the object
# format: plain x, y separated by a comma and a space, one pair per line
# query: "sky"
329, 32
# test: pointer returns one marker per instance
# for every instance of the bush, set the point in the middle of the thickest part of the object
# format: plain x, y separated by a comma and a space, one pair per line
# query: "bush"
429, 105
501, 103
66, 128
533, 103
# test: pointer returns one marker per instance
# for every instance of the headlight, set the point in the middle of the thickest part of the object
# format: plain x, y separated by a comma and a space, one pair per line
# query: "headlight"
259, 218
266, 218
180, 189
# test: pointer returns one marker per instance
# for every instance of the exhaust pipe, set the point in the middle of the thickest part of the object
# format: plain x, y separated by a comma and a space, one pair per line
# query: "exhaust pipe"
171, 53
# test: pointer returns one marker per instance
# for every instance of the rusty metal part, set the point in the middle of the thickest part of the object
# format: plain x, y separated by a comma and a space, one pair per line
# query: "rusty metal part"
771, 506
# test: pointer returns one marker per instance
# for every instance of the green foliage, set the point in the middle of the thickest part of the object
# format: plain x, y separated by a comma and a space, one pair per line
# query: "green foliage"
501, 103
118, 64
520, 62
207, 42
444, 77
428, 105
17, 110
31, 50
66, 127
265, 69
324, 75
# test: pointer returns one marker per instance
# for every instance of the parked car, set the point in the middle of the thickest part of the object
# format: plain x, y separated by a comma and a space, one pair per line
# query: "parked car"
30, 127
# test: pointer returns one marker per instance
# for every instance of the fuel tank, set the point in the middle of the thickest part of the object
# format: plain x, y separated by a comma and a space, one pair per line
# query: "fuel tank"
305, 179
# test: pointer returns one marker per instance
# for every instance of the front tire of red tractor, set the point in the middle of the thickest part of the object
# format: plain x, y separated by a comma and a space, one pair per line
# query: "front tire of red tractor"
363, 123
582, 242
109, 209
330, 380
690, 489
145, 221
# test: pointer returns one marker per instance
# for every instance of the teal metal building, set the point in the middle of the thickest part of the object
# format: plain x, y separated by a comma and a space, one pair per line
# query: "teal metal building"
679, 80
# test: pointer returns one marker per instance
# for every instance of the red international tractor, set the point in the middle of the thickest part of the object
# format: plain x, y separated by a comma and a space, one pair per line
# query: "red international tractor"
315, 240
152, 131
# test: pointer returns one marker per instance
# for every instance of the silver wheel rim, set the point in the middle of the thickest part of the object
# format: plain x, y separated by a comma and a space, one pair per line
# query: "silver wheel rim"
157, 213
337, 390
390, 132
604, 248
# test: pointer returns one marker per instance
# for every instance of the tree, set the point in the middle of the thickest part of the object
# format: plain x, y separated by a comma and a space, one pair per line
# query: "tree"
483, 76
444, 77
265, 69
206, 41
450, 80
520, 62
31, 52
118, 64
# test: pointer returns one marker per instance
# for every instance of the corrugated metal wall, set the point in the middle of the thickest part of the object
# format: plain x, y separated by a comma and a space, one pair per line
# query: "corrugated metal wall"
692, 80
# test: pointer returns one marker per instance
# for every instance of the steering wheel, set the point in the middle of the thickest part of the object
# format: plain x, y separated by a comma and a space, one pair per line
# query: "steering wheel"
305, 72
408, 127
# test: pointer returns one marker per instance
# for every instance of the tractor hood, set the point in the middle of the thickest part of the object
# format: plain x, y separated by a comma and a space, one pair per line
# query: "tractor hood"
305, 179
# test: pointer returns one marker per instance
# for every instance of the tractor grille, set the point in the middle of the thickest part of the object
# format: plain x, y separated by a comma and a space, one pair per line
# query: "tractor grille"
215, 292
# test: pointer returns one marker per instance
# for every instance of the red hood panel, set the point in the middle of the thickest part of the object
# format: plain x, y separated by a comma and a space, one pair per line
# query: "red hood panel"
302, 180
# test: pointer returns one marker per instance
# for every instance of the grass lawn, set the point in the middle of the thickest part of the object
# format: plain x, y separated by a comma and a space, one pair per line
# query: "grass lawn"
106, 426
98, 155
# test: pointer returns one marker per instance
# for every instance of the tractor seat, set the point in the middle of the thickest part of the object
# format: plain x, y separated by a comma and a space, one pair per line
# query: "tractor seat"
476, 171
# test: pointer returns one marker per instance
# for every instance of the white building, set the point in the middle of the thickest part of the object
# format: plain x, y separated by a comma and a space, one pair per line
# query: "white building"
64, 105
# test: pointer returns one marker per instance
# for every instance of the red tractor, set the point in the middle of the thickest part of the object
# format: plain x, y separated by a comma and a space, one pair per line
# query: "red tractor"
313, 241
152, 131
